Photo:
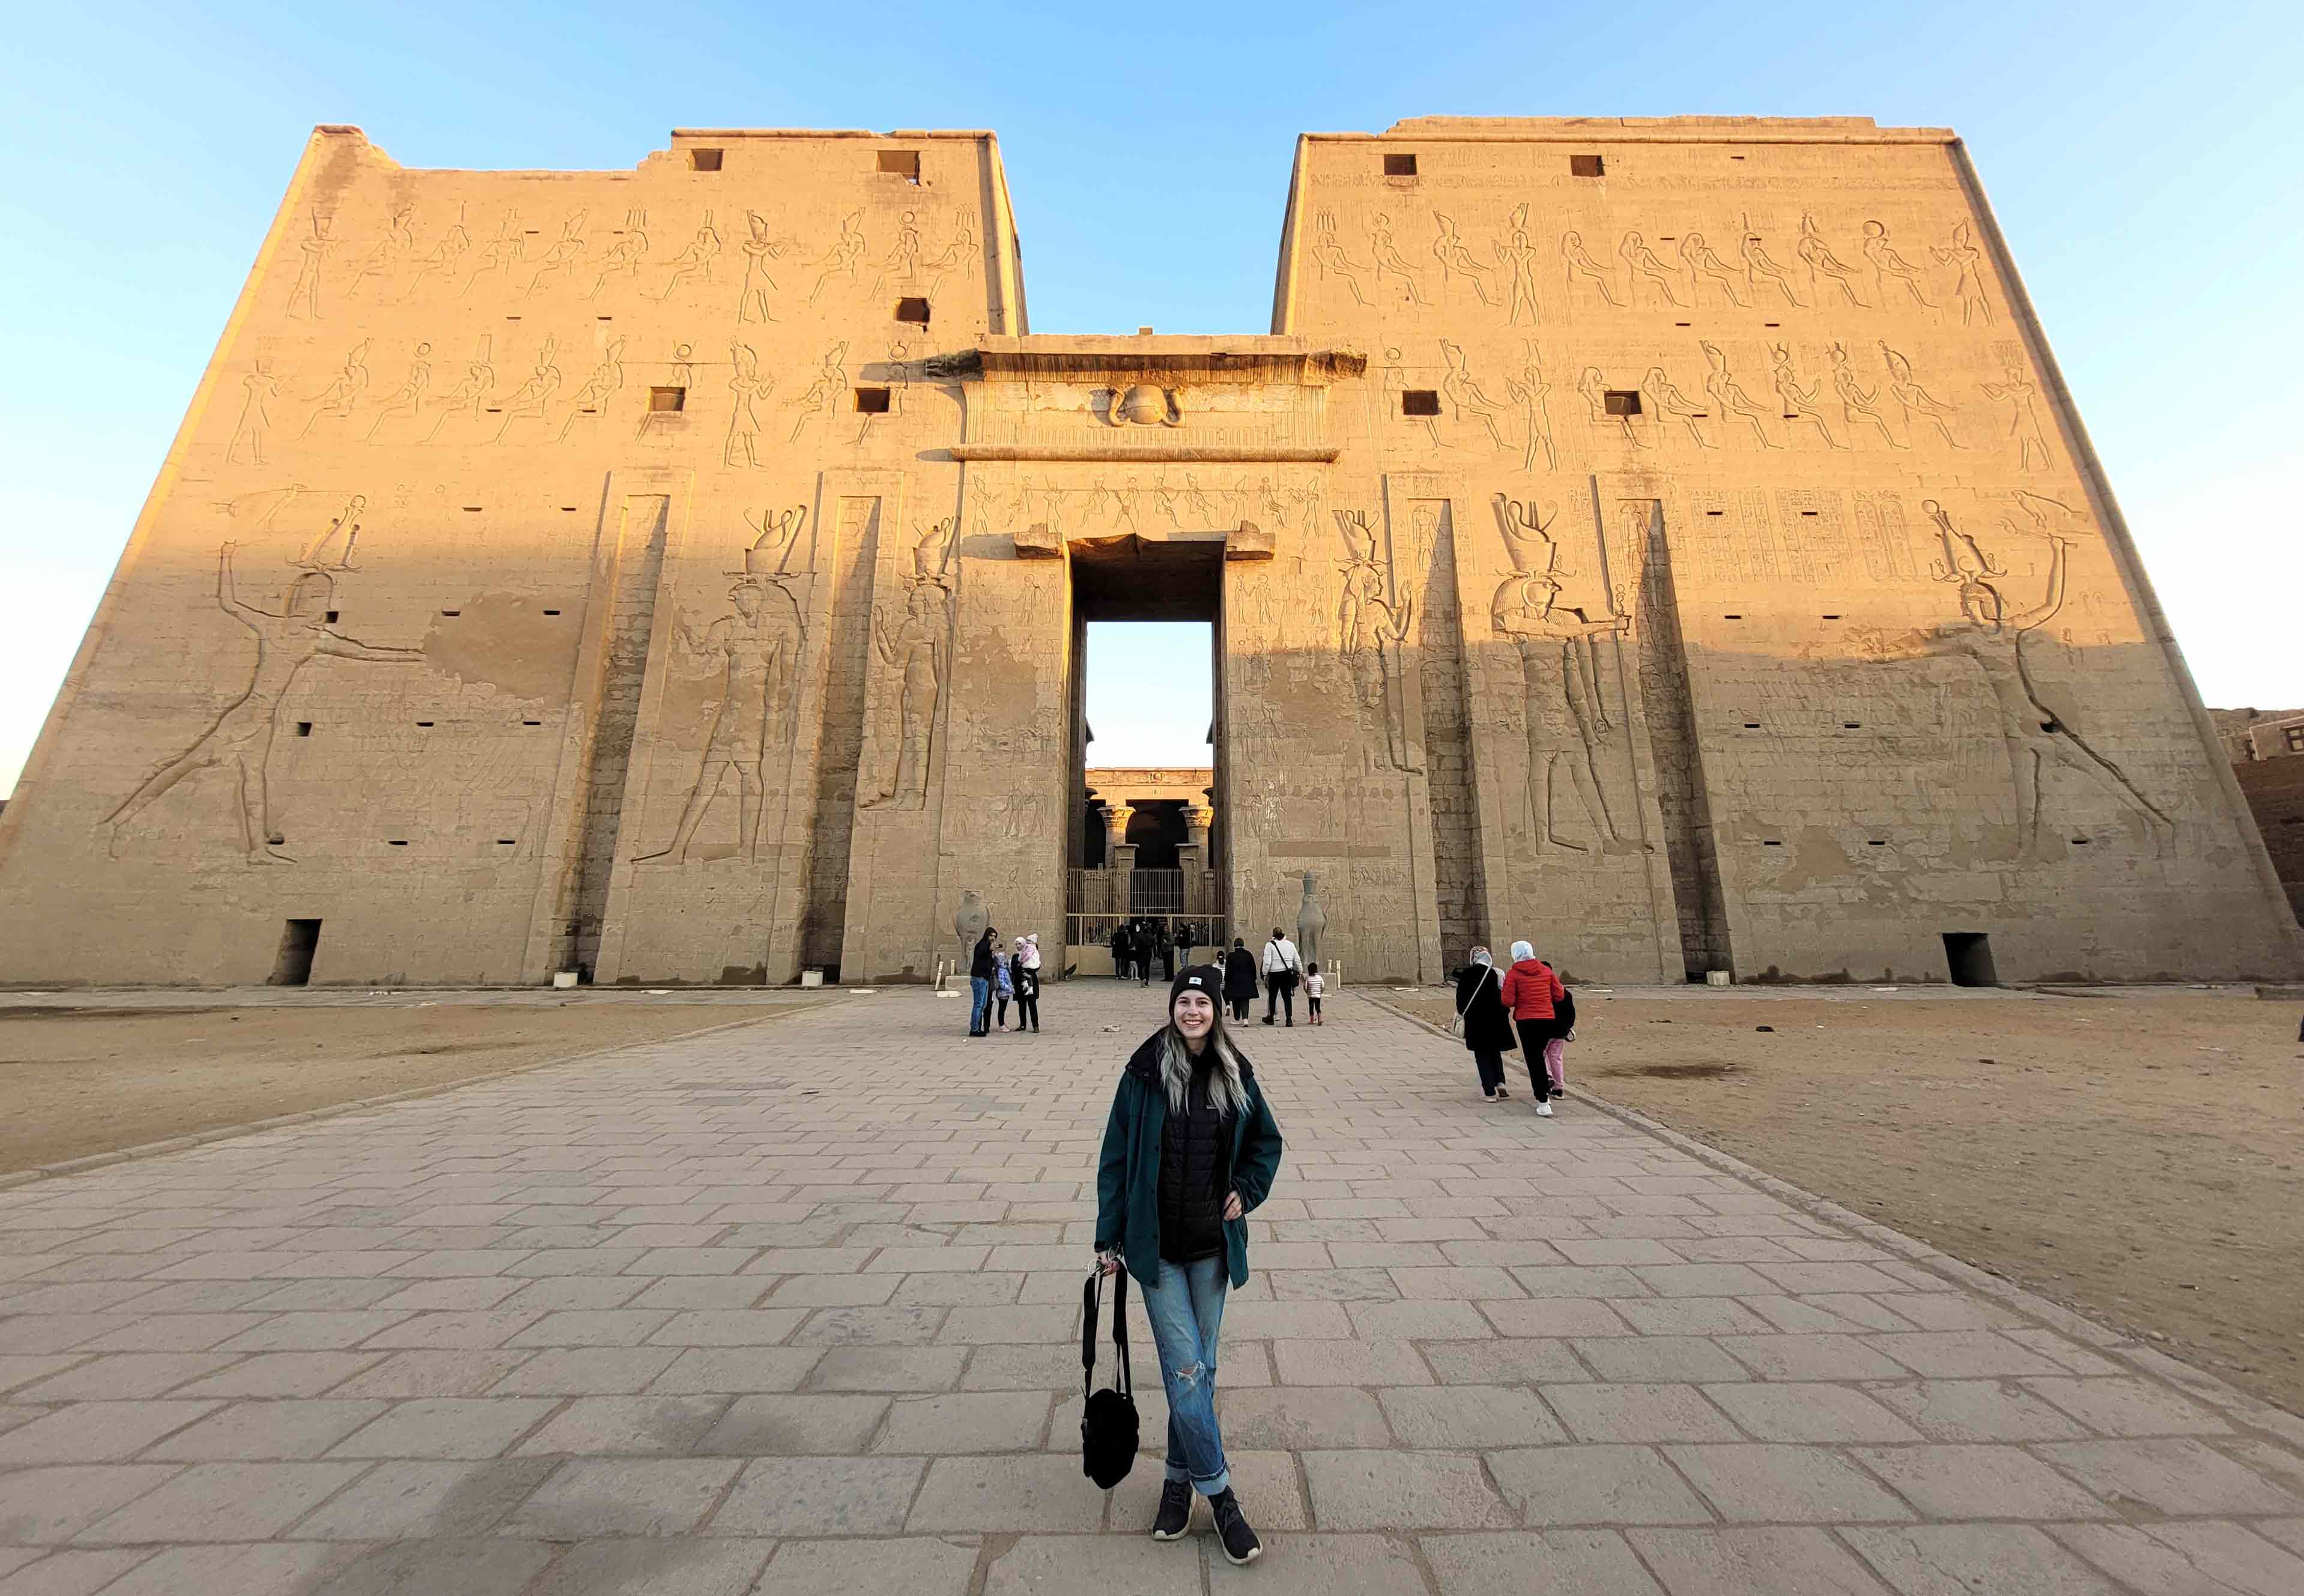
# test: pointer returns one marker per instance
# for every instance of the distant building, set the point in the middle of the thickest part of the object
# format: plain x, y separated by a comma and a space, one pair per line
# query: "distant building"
2253, 734
2264, 747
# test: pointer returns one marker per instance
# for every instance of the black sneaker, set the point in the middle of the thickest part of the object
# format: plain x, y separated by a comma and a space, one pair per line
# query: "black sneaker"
1241, 1546
1175, 1515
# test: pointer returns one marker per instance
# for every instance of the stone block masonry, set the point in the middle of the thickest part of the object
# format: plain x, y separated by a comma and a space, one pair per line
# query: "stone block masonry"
756, 1312
1668, 540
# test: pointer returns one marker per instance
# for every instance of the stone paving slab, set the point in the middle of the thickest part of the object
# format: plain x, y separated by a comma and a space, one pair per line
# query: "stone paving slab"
794, 1308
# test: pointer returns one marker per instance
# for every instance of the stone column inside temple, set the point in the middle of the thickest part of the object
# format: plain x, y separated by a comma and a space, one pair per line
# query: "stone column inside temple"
1119, 855
1192, 858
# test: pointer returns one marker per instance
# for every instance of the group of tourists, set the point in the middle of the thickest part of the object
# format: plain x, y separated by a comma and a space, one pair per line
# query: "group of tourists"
997, 979
1524, 1007
1140, 944
1283, 969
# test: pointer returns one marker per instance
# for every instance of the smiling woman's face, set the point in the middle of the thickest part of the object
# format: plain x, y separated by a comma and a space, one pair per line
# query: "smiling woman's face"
1194, 1013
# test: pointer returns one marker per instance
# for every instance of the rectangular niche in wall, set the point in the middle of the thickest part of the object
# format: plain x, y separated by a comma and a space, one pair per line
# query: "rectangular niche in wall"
1969, 955
298, 941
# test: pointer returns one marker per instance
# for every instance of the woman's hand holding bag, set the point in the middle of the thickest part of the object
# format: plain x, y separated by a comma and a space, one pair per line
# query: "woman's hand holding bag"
1109, 1429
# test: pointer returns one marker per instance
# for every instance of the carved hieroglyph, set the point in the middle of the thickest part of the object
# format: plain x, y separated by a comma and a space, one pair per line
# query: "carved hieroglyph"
1669, 541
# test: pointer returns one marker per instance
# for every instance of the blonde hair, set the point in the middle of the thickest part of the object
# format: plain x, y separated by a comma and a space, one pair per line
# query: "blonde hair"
1227, 1085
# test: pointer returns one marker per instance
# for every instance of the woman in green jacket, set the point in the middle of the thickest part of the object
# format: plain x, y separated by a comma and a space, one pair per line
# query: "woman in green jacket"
1190, 1149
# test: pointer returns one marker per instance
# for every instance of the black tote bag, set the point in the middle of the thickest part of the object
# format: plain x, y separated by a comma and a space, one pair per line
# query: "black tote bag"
1109, 1423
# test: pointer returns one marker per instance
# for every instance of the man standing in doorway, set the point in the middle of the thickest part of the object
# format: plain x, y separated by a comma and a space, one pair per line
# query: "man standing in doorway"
1281, 966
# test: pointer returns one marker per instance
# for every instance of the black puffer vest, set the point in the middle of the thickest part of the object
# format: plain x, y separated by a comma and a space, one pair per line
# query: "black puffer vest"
1195, 1174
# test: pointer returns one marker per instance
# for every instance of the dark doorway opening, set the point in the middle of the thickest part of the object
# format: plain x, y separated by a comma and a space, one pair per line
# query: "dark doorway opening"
1969, 955
1156, 717
298, 943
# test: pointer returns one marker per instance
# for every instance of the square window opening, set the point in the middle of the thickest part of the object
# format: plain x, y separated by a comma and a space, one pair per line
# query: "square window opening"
665, 402
1399, 166
1623, 401
704, 160
1420, 401
303, 728
872, 402
902, 163
1586, 166
331, 616
293, 966
912, 309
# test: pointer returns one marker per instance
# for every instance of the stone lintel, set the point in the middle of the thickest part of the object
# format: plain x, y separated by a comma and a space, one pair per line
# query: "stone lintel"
1153, 455
1183, 360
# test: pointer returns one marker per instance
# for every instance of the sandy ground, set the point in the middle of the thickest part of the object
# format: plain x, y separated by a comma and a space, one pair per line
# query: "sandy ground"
80, 1080
2138, 1158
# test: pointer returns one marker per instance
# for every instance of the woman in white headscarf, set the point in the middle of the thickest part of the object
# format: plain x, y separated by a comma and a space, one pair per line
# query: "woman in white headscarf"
1532, 993
1024, 974
1484, 1022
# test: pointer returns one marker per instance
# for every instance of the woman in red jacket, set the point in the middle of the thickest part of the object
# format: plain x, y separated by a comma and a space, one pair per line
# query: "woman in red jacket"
1530, 990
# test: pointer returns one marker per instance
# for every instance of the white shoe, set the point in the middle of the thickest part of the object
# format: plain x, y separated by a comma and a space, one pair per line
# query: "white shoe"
1544, 1109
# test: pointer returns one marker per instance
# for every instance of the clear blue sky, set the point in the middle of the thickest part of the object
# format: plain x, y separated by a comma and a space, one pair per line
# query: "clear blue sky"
2144, 160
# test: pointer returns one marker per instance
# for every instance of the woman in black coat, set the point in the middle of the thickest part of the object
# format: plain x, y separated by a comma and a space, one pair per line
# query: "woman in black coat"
1487, 1023
1240, 980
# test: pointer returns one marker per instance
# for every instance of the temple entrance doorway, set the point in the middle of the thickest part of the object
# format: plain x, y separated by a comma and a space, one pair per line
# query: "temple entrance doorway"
1143, 841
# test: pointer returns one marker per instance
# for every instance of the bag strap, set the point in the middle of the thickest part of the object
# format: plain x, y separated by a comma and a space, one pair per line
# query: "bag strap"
1488, 971
1126, 1384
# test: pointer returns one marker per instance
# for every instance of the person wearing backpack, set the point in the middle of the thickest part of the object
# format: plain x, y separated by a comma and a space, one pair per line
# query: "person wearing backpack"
1533, 995
1485, 1023
1190, 1149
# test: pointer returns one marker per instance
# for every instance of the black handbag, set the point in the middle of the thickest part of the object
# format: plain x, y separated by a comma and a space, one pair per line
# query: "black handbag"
1108, 1425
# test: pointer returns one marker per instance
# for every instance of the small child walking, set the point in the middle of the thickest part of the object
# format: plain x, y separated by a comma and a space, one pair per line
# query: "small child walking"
1315, 987
1003, 991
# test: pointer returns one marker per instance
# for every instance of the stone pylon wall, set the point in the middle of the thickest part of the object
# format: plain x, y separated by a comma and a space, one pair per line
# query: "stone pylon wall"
1669, 542
499, 596
1928, 688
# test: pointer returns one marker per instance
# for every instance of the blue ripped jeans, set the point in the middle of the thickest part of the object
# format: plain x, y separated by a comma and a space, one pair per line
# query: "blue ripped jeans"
1185, 1308
980, 1010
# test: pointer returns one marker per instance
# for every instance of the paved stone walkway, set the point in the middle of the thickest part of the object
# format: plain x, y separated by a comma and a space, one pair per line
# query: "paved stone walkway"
793, 1309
